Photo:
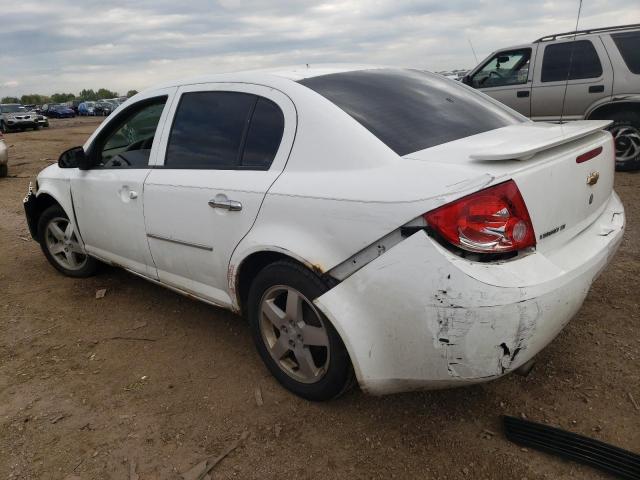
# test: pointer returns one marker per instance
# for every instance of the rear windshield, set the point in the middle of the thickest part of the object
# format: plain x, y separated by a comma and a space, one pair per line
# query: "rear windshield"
629, 46
410, 110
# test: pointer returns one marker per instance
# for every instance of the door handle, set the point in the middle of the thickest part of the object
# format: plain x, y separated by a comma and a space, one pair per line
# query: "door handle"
133, 195
522, 93
231, 205
596, 89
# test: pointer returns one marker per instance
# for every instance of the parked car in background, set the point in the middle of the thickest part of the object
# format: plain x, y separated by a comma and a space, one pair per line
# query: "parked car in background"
4, 157
410, 251
58, 111
43, 121
104, 108
14, 116
598, 68
87, 109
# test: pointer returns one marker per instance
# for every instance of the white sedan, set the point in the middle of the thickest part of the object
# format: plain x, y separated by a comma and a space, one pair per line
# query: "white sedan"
382, 225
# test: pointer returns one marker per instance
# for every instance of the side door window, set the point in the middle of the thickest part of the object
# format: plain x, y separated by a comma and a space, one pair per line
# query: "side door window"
628, 44
504, 69
224, 131
127, 141
580, 56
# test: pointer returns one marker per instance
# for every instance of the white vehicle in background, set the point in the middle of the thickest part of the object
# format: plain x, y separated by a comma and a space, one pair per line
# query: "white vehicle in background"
381, 223
4, 157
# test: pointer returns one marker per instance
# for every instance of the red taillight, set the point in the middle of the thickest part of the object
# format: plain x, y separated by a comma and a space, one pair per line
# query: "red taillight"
589, 155
494, 220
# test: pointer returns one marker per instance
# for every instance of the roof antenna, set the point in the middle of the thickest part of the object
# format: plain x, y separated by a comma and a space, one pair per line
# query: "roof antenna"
573, 45
474, 52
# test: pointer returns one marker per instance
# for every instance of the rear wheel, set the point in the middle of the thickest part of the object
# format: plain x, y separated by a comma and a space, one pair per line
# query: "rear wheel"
626, 134
4, 170
295, 340
61, 246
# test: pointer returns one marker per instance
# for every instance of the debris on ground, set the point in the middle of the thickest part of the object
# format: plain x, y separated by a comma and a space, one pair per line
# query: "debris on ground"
258, 394
139, 324
201, 470
58, 418
101, 292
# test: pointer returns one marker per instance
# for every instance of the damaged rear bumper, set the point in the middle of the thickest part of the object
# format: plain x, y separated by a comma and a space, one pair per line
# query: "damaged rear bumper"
421, 317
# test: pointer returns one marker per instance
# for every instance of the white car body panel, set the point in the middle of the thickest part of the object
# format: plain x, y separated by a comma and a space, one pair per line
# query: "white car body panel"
118, 195
442, 323
335, 189
190, 242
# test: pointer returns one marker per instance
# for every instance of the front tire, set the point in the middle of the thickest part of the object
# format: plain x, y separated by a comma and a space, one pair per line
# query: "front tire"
296, 341
4, 170
626, 134
61, 246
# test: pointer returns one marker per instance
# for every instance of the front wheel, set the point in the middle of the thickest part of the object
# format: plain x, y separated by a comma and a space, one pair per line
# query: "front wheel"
626, 135
295, 340
4, 170
61, 246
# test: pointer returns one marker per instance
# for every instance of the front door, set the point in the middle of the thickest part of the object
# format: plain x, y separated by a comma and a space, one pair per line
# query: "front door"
560, 93
506, 76
108, 198
227, 145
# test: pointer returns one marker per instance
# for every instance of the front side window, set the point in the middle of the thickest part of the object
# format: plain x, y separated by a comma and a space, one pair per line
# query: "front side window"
410, 110
224, 130
505, 68
581, 55
628, 44
128, 141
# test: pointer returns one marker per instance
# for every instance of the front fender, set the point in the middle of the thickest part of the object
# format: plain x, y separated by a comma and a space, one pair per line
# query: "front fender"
55, 182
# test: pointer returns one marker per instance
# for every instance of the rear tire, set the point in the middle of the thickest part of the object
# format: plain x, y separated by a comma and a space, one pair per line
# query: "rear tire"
300, 347
61, 246
4, 171
626, 133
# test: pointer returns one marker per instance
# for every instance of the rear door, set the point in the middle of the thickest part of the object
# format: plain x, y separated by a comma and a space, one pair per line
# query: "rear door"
590, 79
507, 76
226, 146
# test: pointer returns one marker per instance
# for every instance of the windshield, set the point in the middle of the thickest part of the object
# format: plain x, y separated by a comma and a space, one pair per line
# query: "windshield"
410, 110
13, 108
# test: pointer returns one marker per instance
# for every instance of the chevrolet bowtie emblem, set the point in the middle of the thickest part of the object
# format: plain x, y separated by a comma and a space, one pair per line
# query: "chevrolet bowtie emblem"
592, 178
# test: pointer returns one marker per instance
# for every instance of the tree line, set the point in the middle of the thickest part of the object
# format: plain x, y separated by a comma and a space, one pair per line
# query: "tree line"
85, 94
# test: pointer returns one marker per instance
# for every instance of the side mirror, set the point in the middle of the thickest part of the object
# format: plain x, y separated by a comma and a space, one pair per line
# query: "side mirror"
466, 80
74, 158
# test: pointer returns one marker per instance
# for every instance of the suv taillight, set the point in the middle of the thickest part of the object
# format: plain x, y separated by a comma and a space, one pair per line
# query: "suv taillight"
494, 220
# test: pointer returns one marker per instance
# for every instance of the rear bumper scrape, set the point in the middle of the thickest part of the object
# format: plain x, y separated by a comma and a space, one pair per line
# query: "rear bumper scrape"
421, 317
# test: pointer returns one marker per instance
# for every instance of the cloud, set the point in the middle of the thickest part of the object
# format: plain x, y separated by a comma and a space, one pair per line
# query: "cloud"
65, 45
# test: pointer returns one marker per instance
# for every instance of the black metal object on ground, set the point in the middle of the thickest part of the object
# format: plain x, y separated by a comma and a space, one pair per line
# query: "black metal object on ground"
574, 447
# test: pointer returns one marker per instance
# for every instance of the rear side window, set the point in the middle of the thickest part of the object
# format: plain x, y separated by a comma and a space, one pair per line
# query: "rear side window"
207, 130
628, 44
410, 110
581, 55
264, 135
224, 130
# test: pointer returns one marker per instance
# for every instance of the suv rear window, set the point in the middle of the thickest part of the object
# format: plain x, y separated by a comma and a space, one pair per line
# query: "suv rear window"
580, 54
629, 45
410, 110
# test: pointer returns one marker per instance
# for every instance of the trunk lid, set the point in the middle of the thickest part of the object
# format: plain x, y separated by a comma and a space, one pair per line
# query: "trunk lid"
563, 196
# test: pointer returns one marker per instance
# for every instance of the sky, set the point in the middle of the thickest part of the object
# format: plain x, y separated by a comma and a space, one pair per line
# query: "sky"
50, 46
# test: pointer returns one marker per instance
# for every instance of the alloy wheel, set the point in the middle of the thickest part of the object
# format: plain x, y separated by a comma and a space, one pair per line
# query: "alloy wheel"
627, 141
294, 333
63, 244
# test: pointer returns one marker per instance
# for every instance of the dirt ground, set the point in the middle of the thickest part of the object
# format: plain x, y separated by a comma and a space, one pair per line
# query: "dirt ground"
146, 382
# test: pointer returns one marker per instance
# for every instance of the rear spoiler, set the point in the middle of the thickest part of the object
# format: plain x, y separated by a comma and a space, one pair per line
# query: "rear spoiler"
534, 137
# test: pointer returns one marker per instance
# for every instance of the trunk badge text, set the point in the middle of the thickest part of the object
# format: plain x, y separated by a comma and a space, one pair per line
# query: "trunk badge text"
592, 178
